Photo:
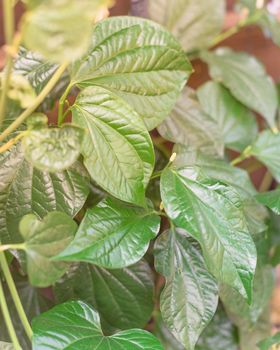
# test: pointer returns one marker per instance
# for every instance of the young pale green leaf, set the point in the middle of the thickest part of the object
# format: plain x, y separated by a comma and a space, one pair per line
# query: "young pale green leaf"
33, 303
220, 334
116, 138
190, 296
218, 169
243, 315
54, 149
237, 123
76, 325
267, 343
211, 212
266, 149
193, 23
271, 200
139, 61
113, 235
25, 189
246, 79
122, 297
43, 240
59, 30
189, 125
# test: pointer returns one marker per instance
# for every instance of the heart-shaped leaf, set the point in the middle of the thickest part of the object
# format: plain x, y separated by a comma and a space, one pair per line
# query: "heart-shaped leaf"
74, 325
190, 296
54, 149
139, 61
113, 235
43, 240
115, 138
247, 80
122, 297
211, 212
237, 123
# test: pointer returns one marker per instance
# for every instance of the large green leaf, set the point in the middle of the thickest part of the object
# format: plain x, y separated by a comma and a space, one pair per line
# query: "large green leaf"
267, 343
122, 297
189, 125
247, 80
60, 30
43, 240
243, 315
266, 149
194, 23
53, 149
218, 169
24, 189
271, 200
211, 212
74, 325
115, 139
139, 61
113, 235
190, 296
237, 123
33, 303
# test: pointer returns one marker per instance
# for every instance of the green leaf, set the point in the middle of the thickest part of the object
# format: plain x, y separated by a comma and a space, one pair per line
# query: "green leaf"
53, 149
139, 61
211, 212
271, 26
38, 72
266, 149
246, 79
189, 125
207, 166
190, 296
165, 336
24, 189
76, 325
193, 23
237, 123
270, 199
115, 139
6, 346
59, 30
243, 315
34, 303
43, 240
122, 297
113, 235
267, 343
220, 334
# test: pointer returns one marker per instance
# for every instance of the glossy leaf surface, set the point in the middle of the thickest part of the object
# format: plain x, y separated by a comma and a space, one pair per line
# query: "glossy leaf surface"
113, 235
139, 61
247, 80
43, 240
54, 149
190, 296
194, 23
74, 325
123, 297
115, 139
237, 123
211, 212
189, 125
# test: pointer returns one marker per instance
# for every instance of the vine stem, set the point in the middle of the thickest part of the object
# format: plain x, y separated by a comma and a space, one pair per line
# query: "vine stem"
266, 182
244, 155
14, 294
7, 318
40, 98
62, 99
9, 24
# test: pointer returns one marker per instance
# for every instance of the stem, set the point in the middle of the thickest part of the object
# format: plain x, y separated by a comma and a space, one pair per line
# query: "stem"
9, 24
19, 246
62, 99
15, 296
245, 154
156, 174
40, 98
266, 182
7, 318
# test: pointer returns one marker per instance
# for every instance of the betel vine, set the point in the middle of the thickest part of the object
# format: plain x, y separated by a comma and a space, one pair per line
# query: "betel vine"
111, 239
